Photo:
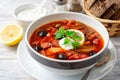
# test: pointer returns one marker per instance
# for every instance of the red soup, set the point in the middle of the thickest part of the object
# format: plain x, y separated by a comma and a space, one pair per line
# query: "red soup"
66, 40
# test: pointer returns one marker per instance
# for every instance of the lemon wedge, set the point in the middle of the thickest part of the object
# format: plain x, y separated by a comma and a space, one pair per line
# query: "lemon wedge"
11, 34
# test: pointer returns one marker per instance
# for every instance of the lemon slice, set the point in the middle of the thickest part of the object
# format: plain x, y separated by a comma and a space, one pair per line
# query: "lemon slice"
11, 34
80, 34
69, 45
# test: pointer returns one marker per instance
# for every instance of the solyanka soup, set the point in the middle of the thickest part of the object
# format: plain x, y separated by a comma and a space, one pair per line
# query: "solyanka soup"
66, 40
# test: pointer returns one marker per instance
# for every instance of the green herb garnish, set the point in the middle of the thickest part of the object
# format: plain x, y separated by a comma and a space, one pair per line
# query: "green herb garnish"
67, 41
60, 33
77, 38
70, 33
72, 37
75, 44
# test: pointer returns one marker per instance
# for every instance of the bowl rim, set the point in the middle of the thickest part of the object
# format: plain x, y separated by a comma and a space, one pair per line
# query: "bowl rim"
67, 61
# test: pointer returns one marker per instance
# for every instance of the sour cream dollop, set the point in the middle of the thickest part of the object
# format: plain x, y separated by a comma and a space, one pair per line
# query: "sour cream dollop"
31, 13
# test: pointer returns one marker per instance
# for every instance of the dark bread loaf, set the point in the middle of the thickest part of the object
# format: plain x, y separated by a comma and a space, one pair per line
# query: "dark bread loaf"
89, 3
116, 16
107, 9
108, 14
100, 6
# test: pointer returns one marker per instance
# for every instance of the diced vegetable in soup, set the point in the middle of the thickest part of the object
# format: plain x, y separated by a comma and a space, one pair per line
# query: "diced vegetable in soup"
66, 40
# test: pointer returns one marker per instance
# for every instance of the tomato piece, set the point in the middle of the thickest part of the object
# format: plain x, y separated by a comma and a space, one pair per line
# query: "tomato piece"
71, 22
46, 42
54, 50
42, 52
82, 56
52, 56
48, 35
91, 37
55, 43
53, 30
74, 57
69, 53
46, 45
96, 41
65, 21
87, 43
96, 49
36, 42
66, 27
96, 34
47, 39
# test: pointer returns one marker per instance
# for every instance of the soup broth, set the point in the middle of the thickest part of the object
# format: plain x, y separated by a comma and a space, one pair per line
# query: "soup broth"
66, 40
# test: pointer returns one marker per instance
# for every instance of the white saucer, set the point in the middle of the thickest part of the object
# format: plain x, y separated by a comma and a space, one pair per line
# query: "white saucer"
38, 72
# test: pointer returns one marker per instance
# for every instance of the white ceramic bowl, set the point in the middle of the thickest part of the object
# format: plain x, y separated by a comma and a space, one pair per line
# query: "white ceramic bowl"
26, 13
67, 67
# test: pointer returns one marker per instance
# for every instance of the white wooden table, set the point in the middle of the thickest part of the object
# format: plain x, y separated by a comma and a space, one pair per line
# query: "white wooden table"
10, 69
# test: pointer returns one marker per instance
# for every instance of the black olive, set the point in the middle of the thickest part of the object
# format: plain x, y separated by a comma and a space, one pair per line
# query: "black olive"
43, 33
62, 56
92, 53
37, 48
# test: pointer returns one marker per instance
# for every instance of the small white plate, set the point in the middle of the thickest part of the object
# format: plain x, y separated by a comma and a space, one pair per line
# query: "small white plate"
38, 72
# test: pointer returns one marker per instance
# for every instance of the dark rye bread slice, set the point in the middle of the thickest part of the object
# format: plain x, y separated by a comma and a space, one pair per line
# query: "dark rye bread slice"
100, 6
89, 3
116, 16
110, 12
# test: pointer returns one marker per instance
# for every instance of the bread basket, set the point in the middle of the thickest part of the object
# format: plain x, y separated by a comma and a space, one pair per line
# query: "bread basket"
113, 26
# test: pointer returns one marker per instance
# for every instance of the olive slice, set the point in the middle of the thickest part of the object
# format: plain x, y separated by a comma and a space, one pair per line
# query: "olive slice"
62, 56
37, 48
43, 33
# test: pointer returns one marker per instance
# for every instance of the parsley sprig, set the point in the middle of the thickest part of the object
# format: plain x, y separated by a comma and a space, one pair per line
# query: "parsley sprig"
67, 41
70, 41
73, 35
75, 44
60, 33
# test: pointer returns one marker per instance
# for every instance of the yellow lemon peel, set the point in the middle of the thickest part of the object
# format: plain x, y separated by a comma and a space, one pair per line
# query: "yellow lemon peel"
11, 34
